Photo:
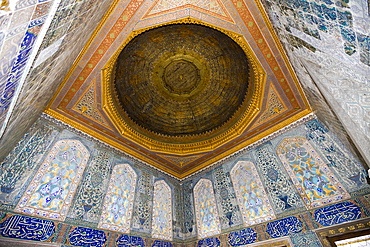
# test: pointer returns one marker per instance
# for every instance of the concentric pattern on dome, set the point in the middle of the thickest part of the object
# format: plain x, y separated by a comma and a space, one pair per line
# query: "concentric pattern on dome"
181, 79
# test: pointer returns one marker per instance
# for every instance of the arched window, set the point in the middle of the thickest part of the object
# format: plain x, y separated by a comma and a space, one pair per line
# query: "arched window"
252, 198
315, 182
51, 191
118, 203
208, 222
162, 211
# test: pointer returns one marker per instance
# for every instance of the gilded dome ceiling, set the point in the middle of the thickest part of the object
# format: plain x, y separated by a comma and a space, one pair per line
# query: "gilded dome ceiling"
182, 79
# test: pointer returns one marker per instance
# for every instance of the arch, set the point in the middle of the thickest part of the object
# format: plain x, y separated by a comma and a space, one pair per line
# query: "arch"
162, 211
118, 203
252, 198
208, 222
51, 191
315, 182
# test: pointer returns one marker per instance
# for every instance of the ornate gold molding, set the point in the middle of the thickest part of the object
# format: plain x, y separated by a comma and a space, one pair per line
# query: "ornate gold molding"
190, 144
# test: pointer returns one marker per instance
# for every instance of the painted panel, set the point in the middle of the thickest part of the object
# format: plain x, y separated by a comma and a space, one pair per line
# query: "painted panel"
208, 222
243, 237
27, 228
128, 241
351, 173
227, 201
51, 191
277, 184
162, 211
118, 204
209, 242
316, 184
337, 213
284, 227
81, 236
252, 198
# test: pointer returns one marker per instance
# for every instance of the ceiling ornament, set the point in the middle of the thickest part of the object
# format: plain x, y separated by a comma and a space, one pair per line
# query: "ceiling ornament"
189, 143
211, 7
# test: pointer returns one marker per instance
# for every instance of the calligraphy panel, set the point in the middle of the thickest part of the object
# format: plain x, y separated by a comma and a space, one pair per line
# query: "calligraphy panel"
27, 228
162, 211
252, 198
209, 242
315, 182
208, 222
130, 241
337, 213
159, 243
51, 191
284, 227
118, 204
243, 237
81, 236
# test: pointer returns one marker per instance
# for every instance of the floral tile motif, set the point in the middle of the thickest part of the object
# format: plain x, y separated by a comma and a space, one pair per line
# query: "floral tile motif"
304, 239
51, 191
142, 215
162, 211
347, 169
22, 161
89, 198
226, 199
208, 222
252, 198
315, 182
279, 187
118, 204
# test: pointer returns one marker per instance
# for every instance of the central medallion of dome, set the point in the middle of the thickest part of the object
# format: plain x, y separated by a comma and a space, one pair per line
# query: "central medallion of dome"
180, 80
181, 77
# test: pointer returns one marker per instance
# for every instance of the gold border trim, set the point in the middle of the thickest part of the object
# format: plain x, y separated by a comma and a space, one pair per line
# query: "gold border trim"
187, 144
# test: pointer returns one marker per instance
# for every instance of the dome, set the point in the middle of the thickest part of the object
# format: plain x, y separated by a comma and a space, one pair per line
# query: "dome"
181, 80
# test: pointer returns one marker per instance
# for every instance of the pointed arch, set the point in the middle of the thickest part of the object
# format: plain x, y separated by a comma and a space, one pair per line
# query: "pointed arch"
51, 191
162, 211
252, 198
315, 182
119, 200
208, 222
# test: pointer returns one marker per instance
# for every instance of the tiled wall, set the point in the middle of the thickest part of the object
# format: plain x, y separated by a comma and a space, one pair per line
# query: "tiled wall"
305, 178
328, 44
71, 24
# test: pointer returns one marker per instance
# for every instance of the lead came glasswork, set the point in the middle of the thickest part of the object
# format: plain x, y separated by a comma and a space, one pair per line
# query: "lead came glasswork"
314, 181
81, 236
208, 222
52, 189
284, 227
252, 198
118, 204
245, 236
23, 227
162, 211
337, 213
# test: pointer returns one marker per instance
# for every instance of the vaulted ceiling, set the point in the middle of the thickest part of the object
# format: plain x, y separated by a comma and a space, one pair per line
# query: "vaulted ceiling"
118, 102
